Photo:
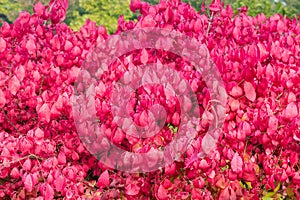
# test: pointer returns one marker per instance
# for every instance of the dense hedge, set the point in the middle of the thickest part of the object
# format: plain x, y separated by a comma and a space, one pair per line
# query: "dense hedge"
257, 154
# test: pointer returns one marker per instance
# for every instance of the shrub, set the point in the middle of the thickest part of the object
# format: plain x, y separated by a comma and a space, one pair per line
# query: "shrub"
257, 155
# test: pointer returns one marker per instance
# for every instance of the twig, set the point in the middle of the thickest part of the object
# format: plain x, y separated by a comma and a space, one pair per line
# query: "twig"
9, 121
209, 24
31, 156
40, 91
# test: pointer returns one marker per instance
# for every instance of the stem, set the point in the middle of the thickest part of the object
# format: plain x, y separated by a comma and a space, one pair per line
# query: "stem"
209, 24
9, 121
32, 156
40, 91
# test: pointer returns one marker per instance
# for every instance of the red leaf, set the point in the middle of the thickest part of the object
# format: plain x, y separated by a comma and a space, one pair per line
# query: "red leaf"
269, 72
236, 163
61, 158
215, 6
296, 178
170, 169
294, 158
249, 91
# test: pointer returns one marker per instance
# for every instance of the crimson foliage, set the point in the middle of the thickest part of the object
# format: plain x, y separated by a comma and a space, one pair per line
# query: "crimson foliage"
257, 154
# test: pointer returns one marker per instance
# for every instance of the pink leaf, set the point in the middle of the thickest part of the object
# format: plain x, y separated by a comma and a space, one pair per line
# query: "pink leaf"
132, 189
148, 21
103, 180
280, 26
2, 45
15, 173
208, 143
39, 9
59, 183
269, 71
235, 105
27, 165
39, 134
28, 183
296, 136
20, 72
291, 111
44, 113
144, 118
68, 46
2, 99
118, 136
236, 163
236, 91
14, 85
31, 46
198, 26
162, 193
203, 165
144, 56
47, 191
273, 125
65, 4
249, 91
61, 158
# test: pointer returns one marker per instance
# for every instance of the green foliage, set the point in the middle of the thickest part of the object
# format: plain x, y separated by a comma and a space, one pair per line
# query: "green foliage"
104, 12
268, 7
194, 3
107, 12
293, 6
10, 9
288, 8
